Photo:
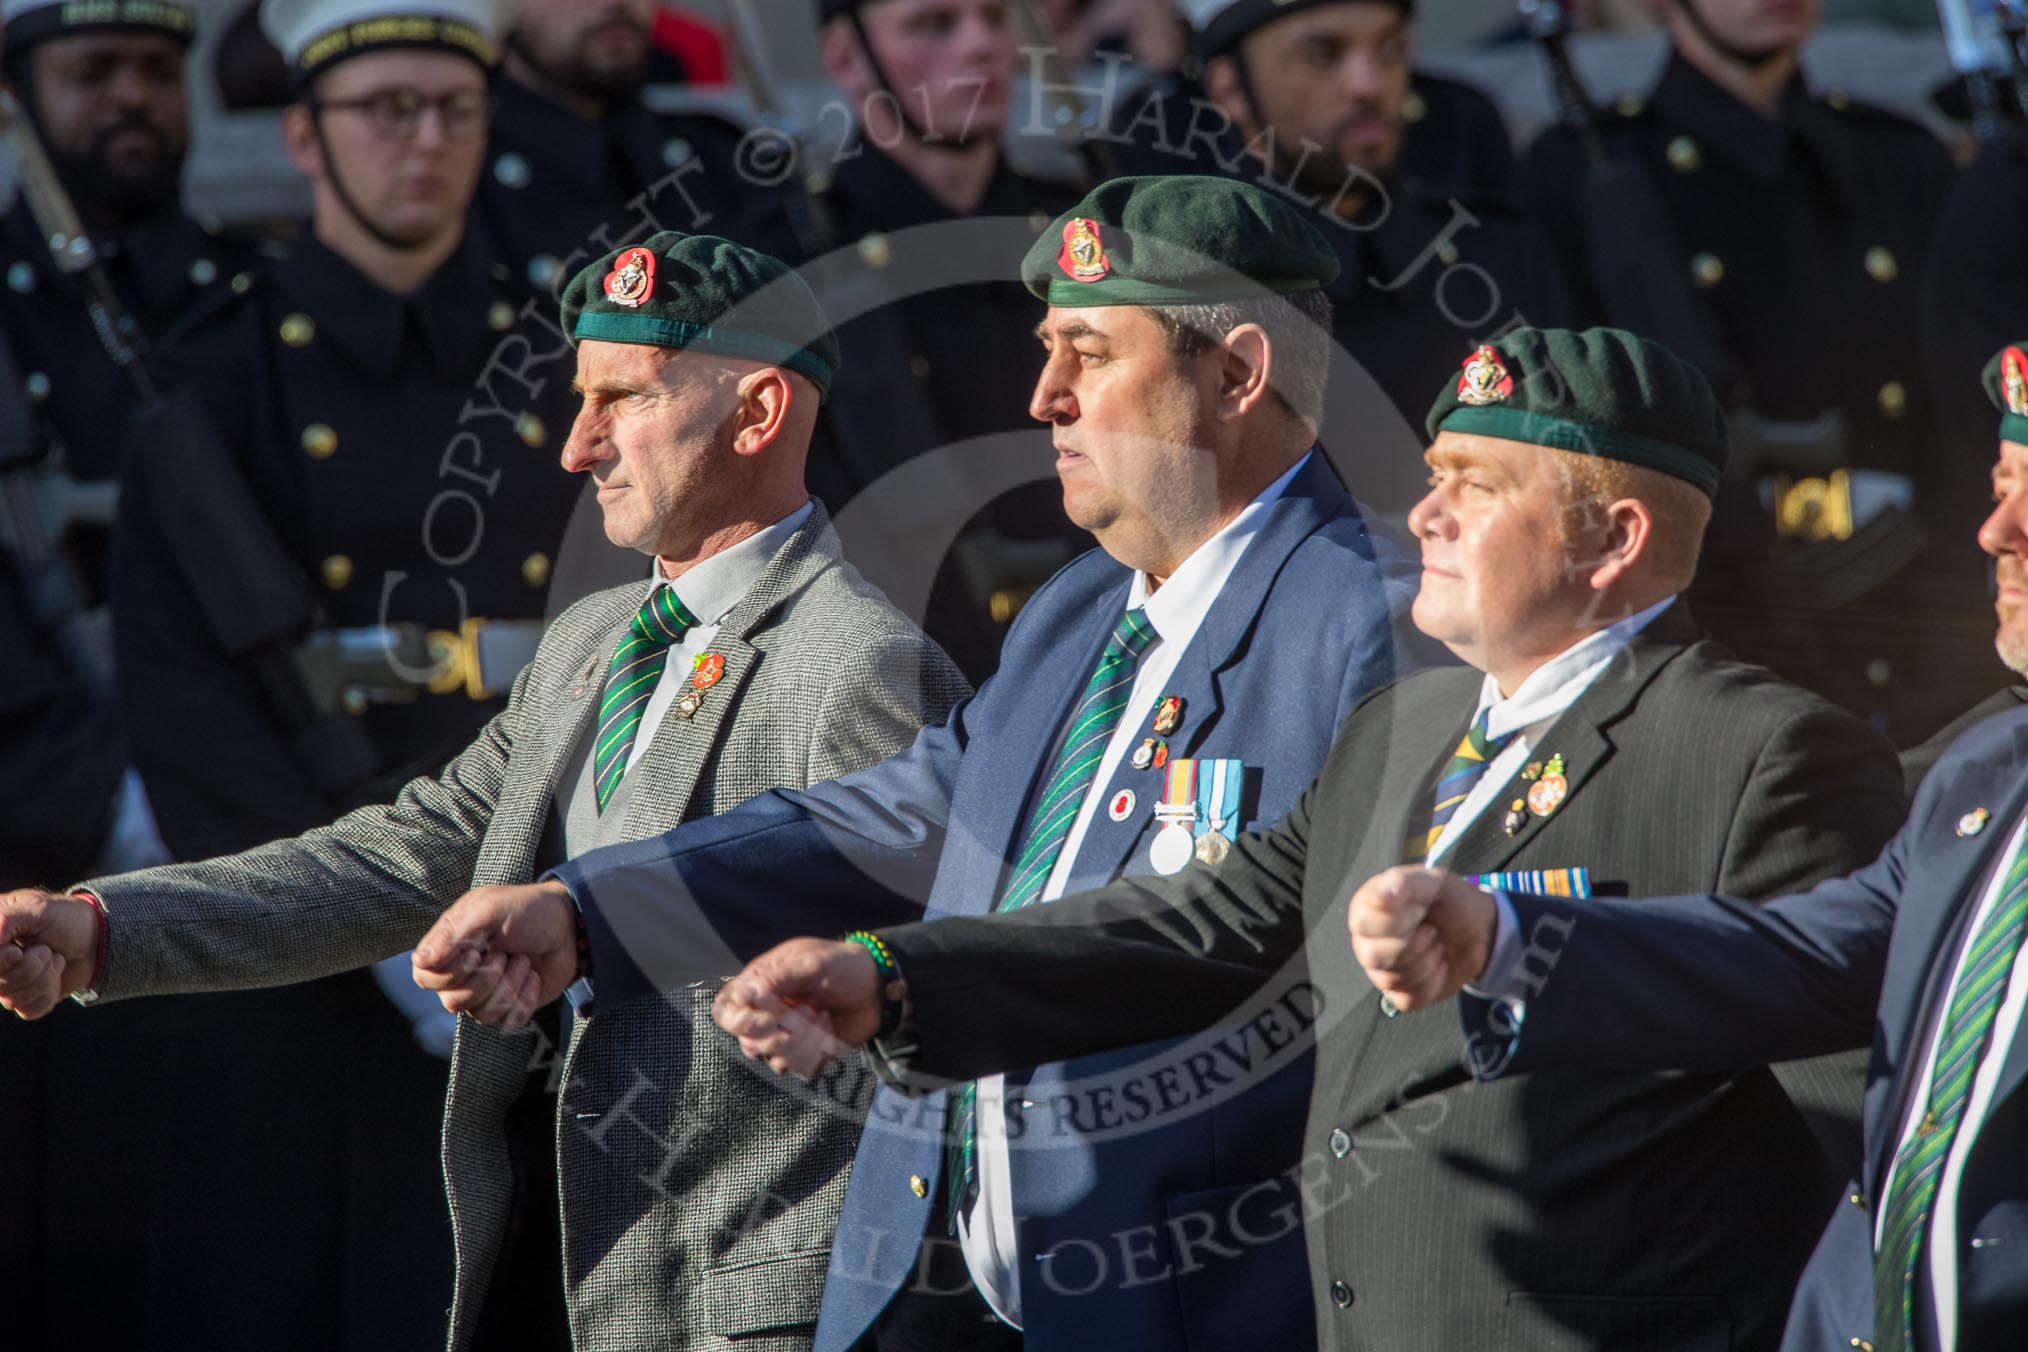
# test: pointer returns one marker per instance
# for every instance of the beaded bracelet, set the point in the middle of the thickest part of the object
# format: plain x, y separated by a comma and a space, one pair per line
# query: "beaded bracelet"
893, 990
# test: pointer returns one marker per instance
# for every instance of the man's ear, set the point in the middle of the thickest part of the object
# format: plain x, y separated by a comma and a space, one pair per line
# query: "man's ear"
1244, 367
1626, 537
1222, 87
839, 53
765, 398
299, 139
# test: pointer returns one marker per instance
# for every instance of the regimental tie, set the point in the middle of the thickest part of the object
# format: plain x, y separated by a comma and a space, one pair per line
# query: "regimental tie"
661, 622
1967, 1029
1084, 746
1467, 766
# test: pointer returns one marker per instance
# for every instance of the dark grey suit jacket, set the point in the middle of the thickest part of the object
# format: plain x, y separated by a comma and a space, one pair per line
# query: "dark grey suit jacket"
1563, 1211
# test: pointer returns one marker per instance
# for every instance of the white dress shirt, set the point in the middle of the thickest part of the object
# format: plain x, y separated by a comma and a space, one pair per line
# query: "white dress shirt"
1175, 609
1536, 703
709, 591
1941, 1244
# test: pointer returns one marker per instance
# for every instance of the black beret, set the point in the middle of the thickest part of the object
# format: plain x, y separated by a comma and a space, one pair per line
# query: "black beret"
1177, 239
1603, 392
707, 293
2006, 380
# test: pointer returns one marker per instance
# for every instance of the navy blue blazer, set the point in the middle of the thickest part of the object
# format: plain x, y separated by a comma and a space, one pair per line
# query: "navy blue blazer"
1703, 983
1120, 1162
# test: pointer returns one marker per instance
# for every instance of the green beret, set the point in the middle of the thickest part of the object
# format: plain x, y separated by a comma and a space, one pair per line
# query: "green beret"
707, 293
2007, 386
1602, 392
1177, 239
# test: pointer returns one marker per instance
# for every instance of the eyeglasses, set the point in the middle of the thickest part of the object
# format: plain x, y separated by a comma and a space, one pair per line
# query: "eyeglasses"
394, 114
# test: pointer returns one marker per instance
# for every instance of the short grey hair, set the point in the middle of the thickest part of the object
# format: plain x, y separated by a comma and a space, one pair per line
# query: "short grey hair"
1298, 327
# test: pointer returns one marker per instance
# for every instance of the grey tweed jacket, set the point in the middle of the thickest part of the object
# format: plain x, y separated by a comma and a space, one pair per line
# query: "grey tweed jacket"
698, 1198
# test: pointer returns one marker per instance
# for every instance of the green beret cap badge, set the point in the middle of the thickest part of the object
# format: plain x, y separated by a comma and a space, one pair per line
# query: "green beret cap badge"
1484, 380
632, 278
1083, 254
2007, 386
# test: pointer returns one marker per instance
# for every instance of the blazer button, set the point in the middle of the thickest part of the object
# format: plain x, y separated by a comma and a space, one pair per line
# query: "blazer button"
1341, 1144
1861, 1344
918, 1185
1341, 1296
1857, 1199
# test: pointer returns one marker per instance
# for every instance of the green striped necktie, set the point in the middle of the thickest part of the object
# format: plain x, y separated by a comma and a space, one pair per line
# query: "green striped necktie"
1976, 995
1461, 774
1084, 746
661, 622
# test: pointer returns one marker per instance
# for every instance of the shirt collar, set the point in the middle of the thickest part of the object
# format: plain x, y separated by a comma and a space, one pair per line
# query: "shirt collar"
1555, 685
712, 588
1179, 606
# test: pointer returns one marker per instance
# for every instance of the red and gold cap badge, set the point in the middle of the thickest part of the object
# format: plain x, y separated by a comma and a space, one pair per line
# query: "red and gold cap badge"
1484, 380
1083, 255
2014, 381
632, 278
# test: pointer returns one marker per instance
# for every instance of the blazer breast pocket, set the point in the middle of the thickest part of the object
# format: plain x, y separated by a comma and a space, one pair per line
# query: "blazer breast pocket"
772, 1295
1553, 1323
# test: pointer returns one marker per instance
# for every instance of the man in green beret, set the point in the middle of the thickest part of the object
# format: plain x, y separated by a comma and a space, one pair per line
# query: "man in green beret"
753, 657
1153, 698
1594, 746
2004, 539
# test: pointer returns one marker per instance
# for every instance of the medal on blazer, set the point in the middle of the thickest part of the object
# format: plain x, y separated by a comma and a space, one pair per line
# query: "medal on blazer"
1121, 806
1177, 813
1152, 753
1973, 822
1549, 790
1515, 819
1217, 825
705, 671
1539, 882
1168, 715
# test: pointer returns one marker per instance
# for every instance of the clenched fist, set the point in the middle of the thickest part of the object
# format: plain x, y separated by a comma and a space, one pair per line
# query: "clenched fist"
48, 949
1421, 934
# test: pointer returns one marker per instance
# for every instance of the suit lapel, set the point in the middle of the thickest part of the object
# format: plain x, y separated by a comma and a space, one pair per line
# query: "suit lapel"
666, 778
1582, 736
1206, 666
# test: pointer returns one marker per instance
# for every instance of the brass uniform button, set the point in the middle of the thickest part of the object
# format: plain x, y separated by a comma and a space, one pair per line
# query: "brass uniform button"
676, 152
1447, 253
1707, 270
337, 572
1838, 99
320, 442
36, 384
298, 329
499, 316
240, 283
20, 277
1630, 105
543, 269
1684, 155
1039, 221
353, 700
204, 272
817, 184
919, 367
875, 251
1894, 399
1413, 109
535, 569
918, 1185
511, 170
1881, 265
530, 429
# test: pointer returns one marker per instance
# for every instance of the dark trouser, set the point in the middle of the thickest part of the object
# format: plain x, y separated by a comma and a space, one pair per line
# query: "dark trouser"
939, 1310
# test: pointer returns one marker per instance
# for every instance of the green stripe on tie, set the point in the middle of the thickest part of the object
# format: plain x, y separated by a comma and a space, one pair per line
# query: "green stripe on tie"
1092, 725
1976, 995
660, 623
